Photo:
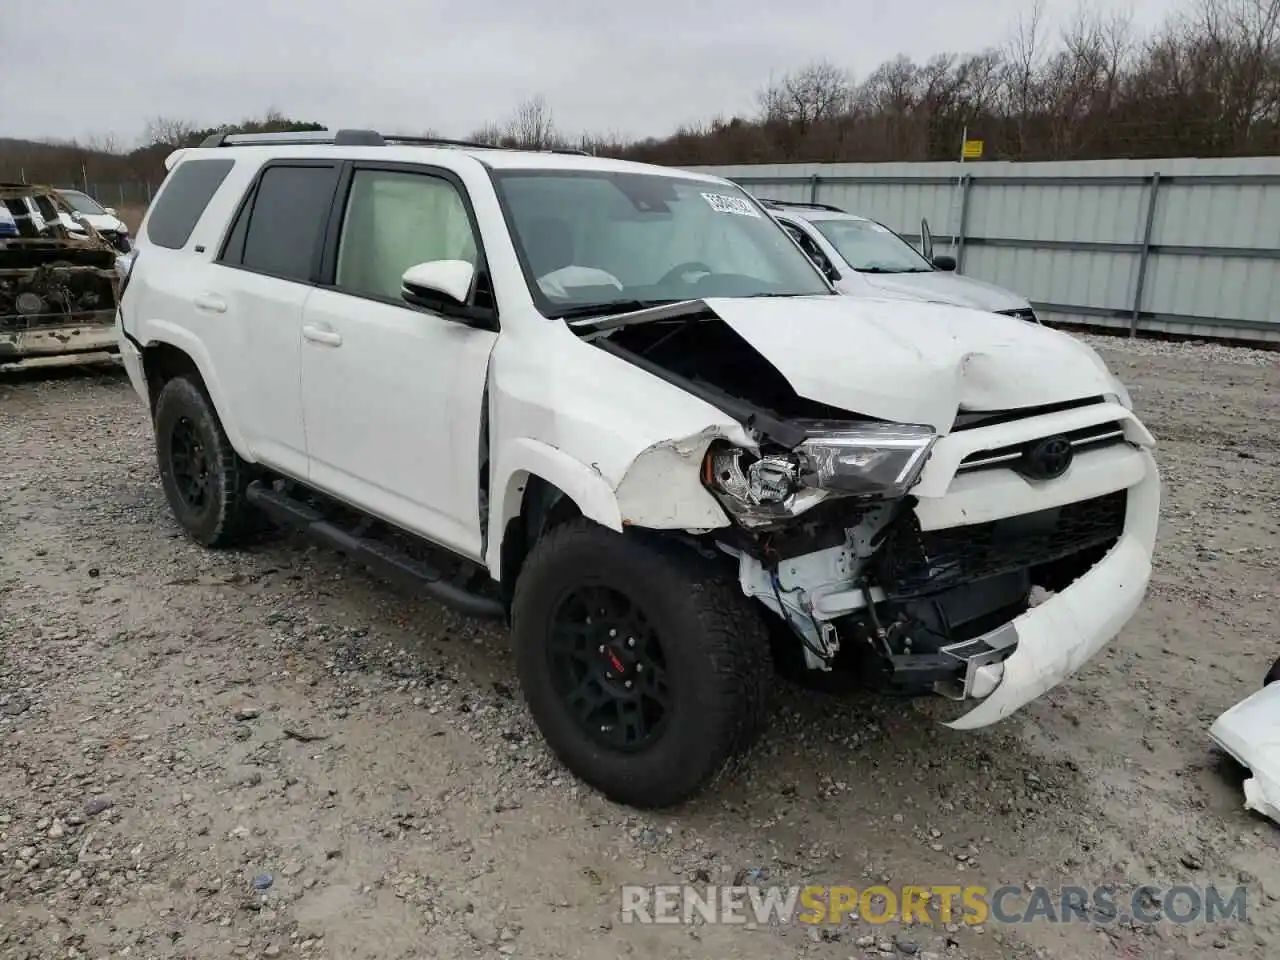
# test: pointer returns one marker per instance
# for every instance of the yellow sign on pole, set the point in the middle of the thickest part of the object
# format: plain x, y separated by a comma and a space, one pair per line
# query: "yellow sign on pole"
972, 149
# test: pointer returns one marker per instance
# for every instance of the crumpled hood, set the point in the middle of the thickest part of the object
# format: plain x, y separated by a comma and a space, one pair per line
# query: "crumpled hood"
946, 287
914, 362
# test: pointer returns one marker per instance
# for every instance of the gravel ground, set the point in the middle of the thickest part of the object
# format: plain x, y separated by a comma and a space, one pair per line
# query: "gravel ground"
268, 753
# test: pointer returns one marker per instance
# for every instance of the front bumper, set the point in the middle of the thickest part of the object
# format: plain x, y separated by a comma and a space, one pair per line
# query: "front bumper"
1018, 661
1057, 637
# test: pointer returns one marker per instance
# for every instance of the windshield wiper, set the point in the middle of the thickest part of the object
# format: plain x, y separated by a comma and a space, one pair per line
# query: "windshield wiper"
890, 270
608, 308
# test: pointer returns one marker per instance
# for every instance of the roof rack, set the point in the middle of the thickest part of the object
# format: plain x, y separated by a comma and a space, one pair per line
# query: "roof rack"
799, 203
350, 138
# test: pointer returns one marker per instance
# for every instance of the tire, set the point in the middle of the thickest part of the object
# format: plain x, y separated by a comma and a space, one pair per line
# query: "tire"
1273, 675
711, 643
185, 421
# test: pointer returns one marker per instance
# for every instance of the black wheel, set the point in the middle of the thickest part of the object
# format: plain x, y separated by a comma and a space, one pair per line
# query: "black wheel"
644, 666
1273, 675
204, 479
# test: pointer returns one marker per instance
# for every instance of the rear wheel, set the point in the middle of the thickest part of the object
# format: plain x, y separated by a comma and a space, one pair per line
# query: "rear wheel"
1273, 675
645, 667
204, 479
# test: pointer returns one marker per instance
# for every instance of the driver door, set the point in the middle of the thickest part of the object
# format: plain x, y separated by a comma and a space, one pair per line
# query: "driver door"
392, 396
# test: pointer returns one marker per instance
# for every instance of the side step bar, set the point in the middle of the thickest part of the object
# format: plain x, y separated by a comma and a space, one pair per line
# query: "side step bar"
378, 557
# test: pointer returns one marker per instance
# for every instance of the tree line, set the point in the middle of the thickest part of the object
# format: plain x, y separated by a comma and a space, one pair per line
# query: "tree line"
1205, 83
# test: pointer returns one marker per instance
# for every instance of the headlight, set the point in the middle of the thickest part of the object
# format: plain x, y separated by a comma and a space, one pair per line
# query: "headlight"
869, 461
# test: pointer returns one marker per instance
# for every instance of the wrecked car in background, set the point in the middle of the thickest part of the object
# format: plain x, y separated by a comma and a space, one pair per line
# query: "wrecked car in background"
58, 288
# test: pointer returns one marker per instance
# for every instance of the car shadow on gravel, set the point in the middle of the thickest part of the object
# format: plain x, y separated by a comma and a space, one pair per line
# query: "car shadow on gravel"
62, 370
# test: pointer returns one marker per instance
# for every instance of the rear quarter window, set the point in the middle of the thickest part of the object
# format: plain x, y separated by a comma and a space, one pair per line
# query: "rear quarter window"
182, 200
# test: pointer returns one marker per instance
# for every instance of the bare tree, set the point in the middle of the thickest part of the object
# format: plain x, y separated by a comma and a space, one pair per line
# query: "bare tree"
817, 92
168, 131
531, 126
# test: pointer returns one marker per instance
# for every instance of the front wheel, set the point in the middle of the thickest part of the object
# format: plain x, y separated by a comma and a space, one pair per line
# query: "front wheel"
644, 666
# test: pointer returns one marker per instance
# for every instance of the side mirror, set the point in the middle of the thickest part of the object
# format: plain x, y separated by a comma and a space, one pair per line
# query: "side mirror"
926, 240
444, 287
944, 262
77, 216
111, 211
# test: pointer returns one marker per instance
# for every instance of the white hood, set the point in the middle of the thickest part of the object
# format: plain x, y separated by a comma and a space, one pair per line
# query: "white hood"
914, 362
99, 221
941, 286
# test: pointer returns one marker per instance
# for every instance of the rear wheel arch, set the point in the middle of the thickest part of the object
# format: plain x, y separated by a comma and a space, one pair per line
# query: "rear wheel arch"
163, 360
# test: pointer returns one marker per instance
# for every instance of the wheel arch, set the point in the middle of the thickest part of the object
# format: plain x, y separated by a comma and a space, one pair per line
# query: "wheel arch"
536, 487
171, 351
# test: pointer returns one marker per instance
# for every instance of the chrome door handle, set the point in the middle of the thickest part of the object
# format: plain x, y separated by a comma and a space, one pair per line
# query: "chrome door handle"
210, 302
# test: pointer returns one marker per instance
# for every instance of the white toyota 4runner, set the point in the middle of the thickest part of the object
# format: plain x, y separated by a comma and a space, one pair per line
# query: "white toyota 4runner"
617, 405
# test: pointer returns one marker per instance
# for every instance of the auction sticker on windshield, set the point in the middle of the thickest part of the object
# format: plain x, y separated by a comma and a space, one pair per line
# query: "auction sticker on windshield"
722, 204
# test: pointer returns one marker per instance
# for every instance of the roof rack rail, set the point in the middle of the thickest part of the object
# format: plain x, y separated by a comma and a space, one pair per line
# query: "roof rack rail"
350, 138
765, 201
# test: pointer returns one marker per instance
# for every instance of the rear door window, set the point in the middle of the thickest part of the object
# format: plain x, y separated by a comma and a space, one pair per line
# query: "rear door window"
181, 202
283, 223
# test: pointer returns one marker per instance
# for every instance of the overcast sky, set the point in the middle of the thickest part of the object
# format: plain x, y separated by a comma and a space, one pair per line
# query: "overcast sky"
72, 68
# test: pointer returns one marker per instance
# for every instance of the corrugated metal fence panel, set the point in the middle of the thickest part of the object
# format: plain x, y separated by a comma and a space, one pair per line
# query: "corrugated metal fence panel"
1082, 239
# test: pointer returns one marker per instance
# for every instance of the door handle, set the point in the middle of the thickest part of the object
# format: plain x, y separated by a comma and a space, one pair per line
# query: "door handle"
210, 302
330, 338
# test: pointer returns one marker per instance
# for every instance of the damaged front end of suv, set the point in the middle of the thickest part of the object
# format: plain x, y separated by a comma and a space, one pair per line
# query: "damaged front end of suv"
923, 512
58, 289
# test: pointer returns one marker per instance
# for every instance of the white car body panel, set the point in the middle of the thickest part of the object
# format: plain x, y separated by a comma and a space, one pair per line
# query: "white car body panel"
1250, 732
914, 362
941, 286
312, 383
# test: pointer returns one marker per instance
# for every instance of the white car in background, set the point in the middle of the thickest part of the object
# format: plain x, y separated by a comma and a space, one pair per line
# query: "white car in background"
85, 209
863, 257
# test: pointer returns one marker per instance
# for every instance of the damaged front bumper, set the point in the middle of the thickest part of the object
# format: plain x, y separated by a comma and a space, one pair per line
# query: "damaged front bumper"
996, 587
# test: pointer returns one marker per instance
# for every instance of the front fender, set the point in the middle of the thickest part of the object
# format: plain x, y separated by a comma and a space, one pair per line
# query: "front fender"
660, 490
519, 459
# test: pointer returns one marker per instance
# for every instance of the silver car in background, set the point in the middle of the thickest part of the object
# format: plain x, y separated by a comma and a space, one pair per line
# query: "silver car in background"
863, 257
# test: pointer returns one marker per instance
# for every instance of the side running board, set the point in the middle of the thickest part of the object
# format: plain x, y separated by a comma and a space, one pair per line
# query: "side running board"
380, 558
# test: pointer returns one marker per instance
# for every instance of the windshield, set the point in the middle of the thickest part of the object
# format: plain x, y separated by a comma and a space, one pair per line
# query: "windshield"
82, 203
596, 239
871, 247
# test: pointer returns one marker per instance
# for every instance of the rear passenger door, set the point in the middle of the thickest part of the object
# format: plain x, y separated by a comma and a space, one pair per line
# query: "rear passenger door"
393, 395
264, 274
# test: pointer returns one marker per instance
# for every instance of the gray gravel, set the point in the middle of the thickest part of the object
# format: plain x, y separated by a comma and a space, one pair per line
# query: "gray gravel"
267, 753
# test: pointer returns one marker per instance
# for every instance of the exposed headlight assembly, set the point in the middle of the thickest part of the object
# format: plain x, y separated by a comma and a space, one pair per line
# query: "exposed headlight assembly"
874, 461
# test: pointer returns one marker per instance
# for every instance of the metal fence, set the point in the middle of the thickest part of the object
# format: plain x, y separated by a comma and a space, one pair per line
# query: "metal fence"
1181, 246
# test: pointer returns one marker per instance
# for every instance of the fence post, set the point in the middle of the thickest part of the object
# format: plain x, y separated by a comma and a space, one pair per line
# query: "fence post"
1145, 256
813, 189
966, 185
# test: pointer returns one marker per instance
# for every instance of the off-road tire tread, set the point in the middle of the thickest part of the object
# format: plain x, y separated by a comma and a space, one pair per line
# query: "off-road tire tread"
730, 631
236, 520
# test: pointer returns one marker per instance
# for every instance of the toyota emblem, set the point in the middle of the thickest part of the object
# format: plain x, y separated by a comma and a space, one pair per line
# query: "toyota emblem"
1048, 458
